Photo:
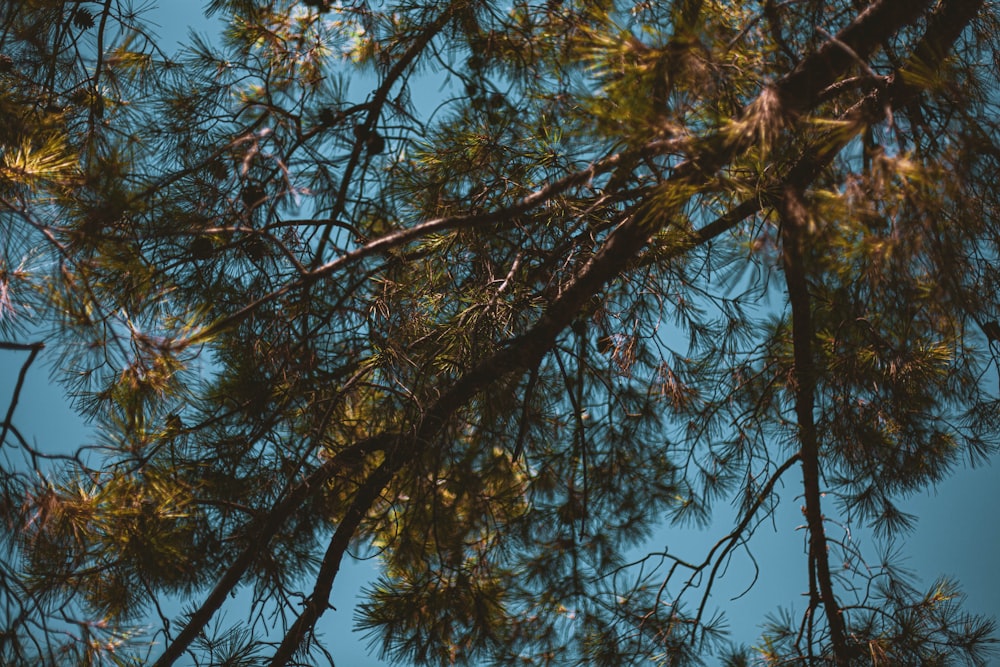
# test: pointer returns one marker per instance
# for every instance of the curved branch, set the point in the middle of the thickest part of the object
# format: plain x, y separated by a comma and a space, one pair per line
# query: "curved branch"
400, 237
730, 541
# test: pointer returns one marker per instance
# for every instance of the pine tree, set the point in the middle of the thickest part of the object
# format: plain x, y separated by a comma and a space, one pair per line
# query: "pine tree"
642, 261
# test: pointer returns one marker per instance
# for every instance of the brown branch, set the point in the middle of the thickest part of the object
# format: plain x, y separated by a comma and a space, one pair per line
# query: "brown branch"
386, 242
375, 109
795, 238
34, 349
259, 541
944, 27
319, 600
97, 109
729, 542
801, 89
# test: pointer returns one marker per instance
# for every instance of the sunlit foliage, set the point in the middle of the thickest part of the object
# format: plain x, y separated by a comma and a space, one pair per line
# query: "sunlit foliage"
626, 265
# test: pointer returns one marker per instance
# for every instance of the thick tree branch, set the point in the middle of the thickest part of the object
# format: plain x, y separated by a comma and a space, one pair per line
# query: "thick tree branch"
795, 240
946, 24
259, 541
800, 90
319, 600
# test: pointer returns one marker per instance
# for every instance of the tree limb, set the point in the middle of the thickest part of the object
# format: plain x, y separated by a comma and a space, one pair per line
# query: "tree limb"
262, 536
795, 239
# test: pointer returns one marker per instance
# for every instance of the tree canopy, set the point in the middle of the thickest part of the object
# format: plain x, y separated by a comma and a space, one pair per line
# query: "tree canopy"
643, 262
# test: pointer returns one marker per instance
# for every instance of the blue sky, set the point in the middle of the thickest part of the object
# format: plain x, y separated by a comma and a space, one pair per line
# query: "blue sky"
958, 533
